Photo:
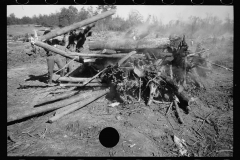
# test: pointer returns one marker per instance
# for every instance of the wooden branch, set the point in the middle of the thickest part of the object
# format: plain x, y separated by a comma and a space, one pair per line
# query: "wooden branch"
77, 25
160, 102
55, 98
75, 79
178, 112
153, 89
85, 83
97, 55
48, 107
170, 106
108, 51
72, 108
121, 61
80, 85
55, 50
127, 45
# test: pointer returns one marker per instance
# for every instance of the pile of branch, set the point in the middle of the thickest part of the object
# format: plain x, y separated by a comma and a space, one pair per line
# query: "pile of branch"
70, 101
151, 78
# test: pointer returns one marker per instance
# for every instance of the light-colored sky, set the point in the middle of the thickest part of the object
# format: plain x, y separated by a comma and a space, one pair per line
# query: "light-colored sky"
165, 13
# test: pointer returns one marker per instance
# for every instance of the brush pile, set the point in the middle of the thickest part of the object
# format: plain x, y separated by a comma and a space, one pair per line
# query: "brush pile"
159, 75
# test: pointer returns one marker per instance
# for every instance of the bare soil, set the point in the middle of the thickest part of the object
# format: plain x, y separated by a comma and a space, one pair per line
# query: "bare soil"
144, 130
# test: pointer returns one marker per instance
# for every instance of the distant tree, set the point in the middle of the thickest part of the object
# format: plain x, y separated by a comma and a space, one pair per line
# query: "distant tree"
104, 8
67, 16
106, 22
82, 14
73, 12
134, 18
193, 23
34, 19
11, 19
26, 20
91, 11
228, 24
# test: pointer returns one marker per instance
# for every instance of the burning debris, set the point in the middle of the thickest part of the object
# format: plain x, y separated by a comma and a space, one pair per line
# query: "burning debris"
133, 69
159, 75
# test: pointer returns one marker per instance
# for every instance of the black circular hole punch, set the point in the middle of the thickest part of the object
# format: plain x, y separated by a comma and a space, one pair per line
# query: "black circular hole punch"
80, 1
227, 2
197, 1
139, 1
51, 1
168, 1
109, 137
109, 2
22, 1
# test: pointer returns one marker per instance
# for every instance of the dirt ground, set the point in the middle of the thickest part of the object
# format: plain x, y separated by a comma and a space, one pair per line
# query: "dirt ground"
144, 130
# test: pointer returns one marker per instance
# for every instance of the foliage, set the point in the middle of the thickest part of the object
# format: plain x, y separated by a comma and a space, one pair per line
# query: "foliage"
67, 16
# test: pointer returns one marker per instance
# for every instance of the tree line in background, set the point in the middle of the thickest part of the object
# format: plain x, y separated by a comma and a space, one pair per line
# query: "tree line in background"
193, 27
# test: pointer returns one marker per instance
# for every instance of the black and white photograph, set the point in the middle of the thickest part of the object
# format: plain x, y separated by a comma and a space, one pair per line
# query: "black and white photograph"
120, 80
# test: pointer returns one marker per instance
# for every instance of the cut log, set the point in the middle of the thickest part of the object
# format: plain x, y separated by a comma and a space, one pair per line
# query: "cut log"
97, 55
74, 79
128, 45
77, 25
48, 107
75, 55
74, 107
56, 98
55, 50
108, 51
88, 85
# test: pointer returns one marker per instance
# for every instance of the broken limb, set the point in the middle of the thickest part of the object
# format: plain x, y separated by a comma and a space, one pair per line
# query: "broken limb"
178, 112
55, 98
160, 102
120, 62
97, 55
74, 79
153, 89
204, 120
170, 106
48, 107
90, 99
80, 85
77, 25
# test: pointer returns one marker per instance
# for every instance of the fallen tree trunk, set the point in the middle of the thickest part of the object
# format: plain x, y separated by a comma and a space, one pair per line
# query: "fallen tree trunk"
74, 79
79, 105
88, 85
77, 25
49, 107
55, 50
108, 51
56, 98
97, 55
127, 45
74, 55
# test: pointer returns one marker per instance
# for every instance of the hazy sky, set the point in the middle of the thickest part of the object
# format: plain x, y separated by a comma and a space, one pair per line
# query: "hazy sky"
165, 13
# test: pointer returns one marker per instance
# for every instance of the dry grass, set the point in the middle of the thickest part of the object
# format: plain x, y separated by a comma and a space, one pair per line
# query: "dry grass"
18, 30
